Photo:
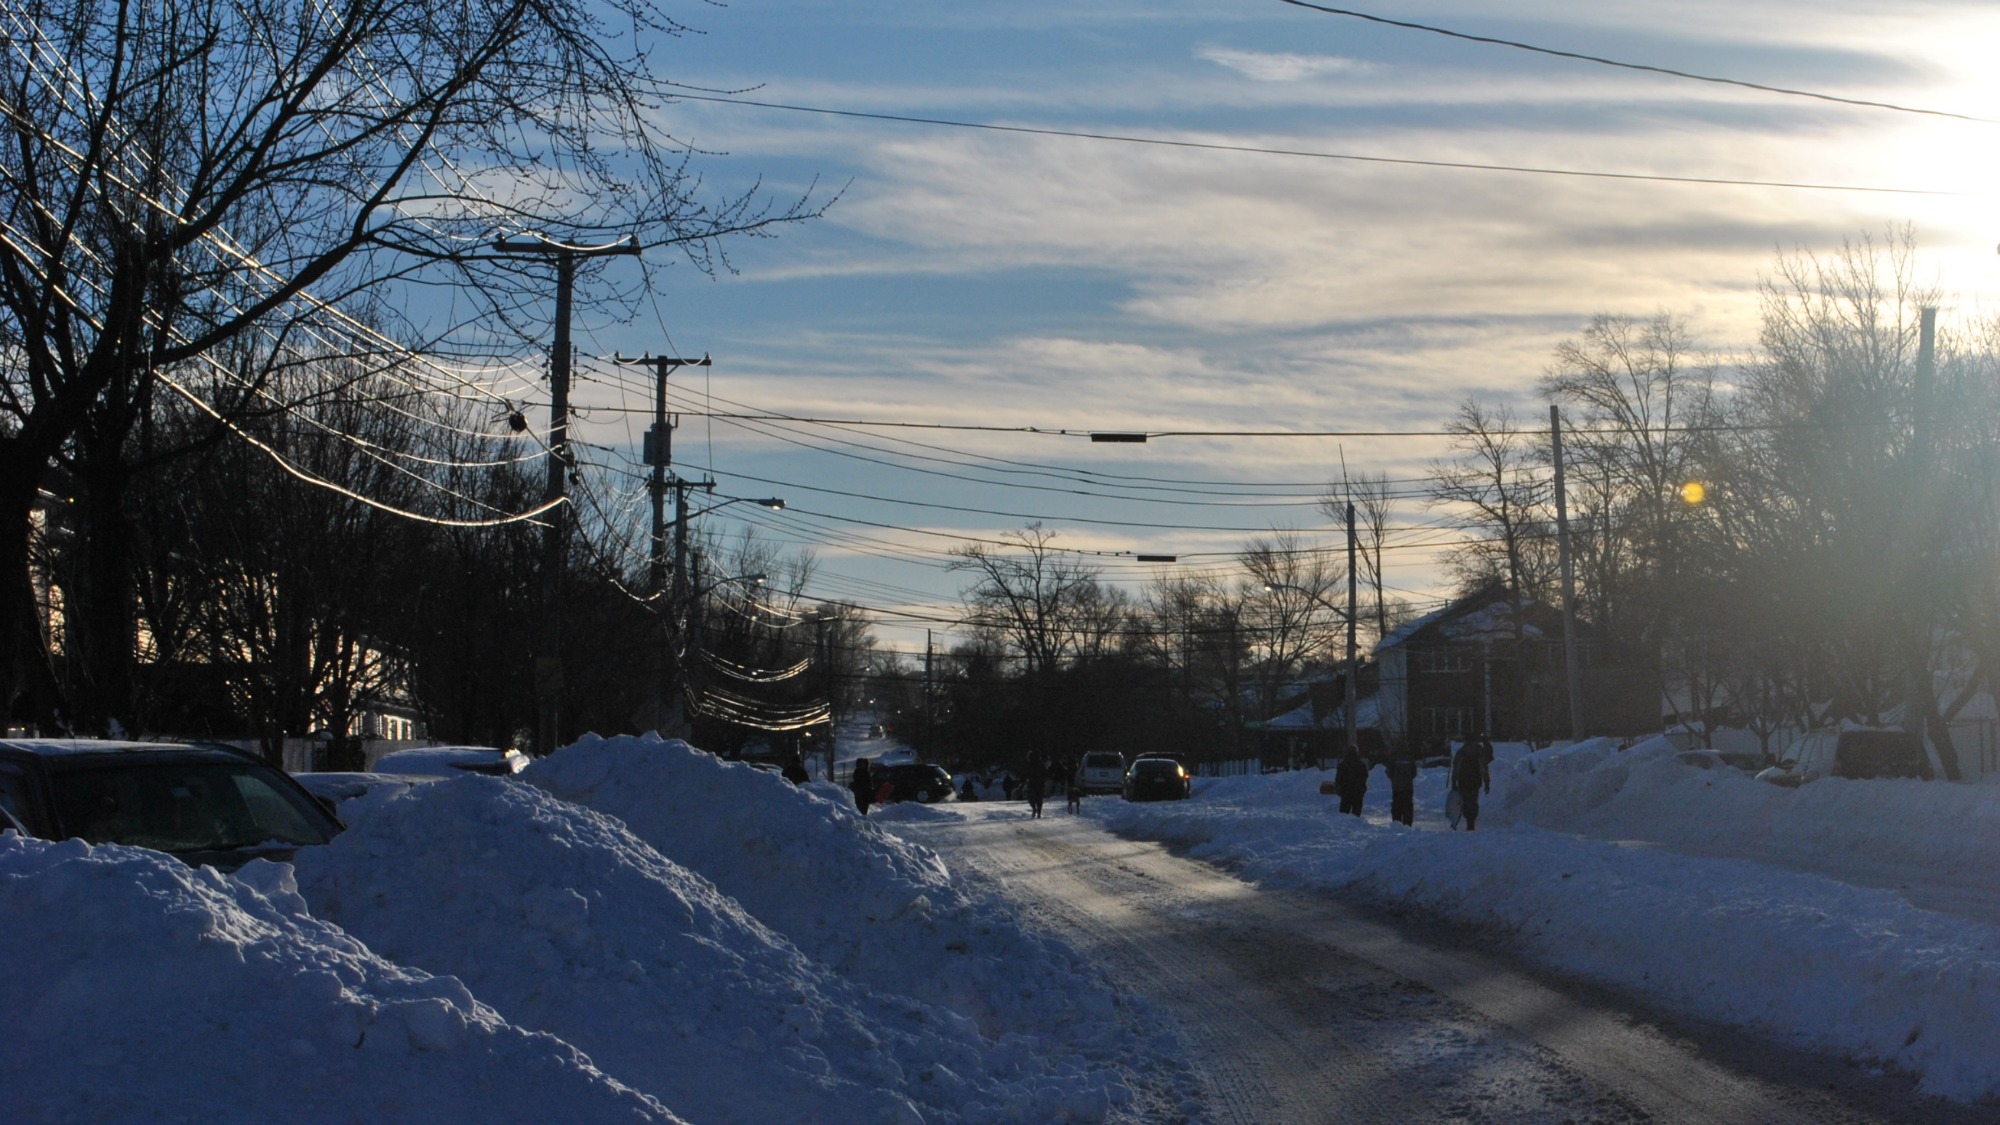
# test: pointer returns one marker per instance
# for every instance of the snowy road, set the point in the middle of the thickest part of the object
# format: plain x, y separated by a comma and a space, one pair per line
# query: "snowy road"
1296, 1008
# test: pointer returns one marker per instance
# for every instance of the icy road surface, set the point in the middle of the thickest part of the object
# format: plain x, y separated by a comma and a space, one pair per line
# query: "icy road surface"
1298, 1008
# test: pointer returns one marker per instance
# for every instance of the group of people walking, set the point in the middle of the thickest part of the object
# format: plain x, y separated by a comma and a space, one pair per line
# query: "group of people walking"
1471, 774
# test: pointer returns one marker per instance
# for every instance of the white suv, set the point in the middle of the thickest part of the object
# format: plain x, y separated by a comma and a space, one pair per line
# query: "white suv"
1102, 771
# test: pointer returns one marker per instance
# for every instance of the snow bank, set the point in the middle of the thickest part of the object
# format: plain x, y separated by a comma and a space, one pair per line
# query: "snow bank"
569, 923
878, 910
1834, 966
142, 989
1642, 793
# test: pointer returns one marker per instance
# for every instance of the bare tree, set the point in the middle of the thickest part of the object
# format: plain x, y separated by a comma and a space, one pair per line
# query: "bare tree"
1639, 412
1829, 492
177, 178
1045, 601
1283, 614
1374, 511
1493, 479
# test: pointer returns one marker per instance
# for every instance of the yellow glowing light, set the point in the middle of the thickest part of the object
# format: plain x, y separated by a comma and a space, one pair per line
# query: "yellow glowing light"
1694, 492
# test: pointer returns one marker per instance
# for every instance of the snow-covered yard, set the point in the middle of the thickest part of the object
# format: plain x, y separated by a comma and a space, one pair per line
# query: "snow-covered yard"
1712, 893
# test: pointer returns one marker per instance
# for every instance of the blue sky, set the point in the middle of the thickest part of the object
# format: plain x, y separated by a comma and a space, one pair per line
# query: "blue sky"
979, 278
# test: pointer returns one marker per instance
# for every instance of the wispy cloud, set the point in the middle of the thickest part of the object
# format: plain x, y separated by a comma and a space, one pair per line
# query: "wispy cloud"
1268, 66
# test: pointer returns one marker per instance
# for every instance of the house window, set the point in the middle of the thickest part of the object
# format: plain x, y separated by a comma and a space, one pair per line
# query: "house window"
1444, 660
1447, 721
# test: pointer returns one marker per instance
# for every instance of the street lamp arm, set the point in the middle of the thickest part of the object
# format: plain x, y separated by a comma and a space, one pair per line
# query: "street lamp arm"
774, 503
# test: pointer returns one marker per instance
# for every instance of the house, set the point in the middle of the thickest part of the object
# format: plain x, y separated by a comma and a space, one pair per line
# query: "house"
1487, 662
1314, 729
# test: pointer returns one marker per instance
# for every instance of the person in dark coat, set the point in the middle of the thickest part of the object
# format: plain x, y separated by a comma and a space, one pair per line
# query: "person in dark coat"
863, 785
1038, 783
1402, 771
1483, 746
1468, 776
1350, 781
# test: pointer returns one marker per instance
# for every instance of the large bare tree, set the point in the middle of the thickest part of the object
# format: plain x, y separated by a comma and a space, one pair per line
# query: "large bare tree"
270, 176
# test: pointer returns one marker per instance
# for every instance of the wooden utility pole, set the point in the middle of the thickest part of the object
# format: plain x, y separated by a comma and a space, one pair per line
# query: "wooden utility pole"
555, 535
1571, 666
659, 455
1353, 676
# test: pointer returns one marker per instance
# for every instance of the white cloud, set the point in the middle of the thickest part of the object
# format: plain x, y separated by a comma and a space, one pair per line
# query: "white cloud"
1267, 66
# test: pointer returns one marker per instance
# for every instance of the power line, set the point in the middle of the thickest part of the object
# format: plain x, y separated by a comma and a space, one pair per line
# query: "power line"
1668, 71
1215, 146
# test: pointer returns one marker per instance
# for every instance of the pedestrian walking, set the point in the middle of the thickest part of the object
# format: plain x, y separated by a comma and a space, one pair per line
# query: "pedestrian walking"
1350, 780
1038, 783
1483, 746
1468, 776
863, 785
1402, 771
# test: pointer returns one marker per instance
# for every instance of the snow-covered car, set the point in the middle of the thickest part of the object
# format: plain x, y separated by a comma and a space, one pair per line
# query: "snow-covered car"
1101, 771
332, 788
451, 761
206, 805
1157, 779
1704, 759
1860, 752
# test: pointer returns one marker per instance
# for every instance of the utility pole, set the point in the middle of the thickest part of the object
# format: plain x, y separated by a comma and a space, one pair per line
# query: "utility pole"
681, 487
1570, 666
659, 454
930, 747
1920, 695
1353, 675
677, 603
555, 536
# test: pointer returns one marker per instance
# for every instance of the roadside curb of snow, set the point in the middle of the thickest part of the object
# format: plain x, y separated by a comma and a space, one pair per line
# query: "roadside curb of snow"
1835, 967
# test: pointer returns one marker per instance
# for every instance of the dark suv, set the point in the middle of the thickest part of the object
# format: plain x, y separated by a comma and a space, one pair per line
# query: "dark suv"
206, 805
914, 781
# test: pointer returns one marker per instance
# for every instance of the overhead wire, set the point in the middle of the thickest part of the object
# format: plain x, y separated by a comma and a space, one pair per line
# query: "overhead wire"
1600, 60
1261, 150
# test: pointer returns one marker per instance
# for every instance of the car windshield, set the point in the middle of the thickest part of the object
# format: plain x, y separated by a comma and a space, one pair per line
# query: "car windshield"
181, 807
1103, 761
1151, 767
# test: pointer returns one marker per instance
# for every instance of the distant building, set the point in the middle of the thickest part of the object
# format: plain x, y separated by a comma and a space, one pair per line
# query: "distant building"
1484, 663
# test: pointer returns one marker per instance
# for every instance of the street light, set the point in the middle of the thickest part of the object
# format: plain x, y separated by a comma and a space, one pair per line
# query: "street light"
774, 503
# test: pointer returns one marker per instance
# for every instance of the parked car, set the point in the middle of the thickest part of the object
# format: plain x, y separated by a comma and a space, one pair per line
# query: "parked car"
1856, 753
915, 781
206, 805
451, 761
1157, 779
1702, 759
1101, 771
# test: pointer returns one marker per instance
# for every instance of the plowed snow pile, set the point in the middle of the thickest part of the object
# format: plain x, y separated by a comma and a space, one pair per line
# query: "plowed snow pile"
734, 951
871, 907
1833, 965
138, 989
571, 924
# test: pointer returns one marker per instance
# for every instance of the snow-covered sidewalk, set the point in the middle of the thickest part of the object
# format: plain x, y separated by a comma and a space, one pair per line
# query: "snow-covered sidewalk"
1828, 963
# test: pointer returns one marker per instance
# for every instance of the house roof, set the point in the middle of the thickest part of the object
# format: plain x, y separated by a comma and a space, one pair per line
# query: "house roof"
1483, 614
1301, 717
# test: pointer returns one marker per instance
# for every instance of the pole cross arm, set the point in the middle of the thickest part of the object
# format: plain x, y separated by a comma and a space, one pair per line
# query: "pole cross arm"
537, 243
